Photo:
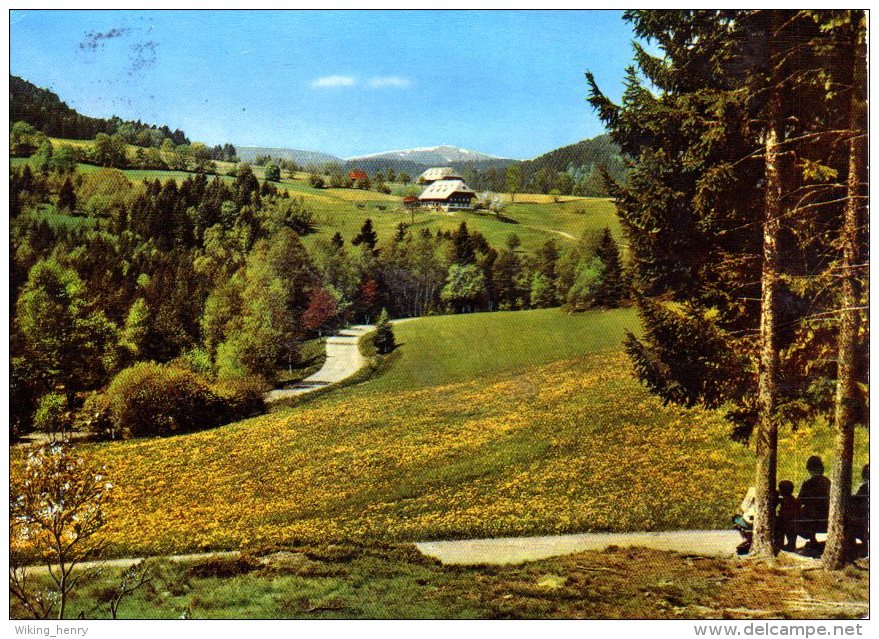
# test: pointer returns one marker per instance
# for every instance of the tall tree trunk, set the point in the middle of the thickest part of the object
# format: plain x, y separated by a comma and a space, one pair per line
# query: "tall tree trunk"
846, 413
767, 424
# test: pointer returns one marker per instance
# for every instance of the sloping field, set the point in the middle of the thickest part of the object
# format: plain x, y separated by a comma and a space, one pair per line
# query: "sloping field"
534, 224
533, 218
484, 425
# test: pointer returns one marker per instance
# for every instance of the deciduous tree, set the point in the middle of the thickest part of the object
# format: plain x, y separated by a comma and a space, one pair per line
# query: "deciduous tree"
321, 310
273, 172
56, 510
513, 180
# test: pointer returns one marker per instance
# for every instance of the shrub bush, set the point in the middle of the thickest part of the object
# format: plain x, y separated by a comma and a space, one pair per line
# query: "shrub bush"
223, 567
152, 399
95, 416
163, 399
241, 397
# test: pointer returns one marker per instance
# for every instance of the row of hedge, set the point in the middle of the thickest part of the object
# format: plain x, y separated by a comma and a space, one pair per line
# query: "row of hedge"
151, 399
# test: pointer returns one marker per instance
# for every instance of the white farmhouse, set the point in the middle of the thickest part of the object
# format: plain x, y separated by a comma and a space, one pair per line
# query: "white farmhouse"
438, 173
448, 195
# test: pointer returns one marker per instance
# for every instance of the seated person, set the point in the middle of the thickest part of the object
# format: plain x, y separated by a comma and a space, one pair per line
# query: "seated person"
814, 501
786, 517
743, 521
859, 510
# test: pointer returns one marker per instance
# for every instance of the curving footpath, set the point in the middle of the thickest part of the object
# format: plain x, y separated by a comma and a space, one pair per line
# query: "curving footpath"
518, 550
515, 550
343, 360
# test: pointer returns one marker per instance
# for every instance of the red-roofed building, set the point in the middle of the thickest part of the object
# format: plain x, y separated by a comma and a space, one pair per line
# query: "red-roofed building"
357, 175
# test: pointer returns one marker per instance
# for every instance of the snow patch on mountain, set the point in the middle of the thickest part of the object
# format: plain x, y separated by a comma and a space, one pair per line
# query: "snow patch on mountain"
430, 155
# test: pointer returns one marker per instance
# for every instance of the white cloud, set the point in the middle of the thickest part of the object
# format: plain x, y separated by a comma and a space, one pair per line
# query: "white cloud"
393, 81
334, 81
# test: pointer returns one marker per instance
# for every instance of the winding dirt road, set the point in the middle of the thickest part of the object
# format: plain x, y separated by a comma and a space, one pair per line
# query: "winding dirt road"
343, 360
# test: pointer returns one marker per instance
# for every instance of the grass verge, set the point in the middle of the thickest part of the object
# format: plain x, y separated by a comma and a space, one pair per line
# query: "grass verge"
395, 582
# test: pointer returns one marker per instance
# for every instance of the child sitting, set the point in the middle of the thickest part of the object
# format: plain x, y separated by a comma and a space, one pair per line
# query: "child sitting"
786, 516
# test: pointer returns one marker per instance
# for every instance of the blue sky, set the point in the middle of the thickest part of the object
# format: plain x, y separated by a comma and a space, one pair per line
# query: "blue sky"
509, 83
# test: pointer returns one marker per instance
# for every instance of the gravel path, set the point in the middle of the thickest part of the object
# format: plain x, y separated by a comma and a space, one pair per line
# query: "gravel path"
343, 360
563, 234
514, 550
125, 562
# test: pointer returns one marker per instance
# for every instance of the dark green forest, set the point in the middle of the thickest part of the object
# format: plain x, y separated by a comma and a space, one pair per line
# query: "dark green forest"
583, 168
35, 113
45, 111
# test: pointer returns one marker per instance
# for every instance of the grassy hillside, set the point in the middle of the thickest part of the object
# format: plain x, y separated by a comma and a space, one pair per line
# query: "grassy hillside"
483, 425
453, 348
534, 224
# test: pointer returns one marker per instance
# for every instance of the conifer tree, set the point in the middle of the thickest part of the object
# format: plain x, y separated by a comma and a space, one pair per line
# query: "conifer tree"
463, 250
384, 334
67, 196
848, 398
731, 210
367, 236
612, 290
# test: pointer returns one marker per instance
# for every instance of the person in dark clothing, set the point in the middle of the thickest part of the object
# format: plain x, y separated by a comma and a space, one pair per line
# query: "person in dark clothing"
814, 501
787, 516
859, 513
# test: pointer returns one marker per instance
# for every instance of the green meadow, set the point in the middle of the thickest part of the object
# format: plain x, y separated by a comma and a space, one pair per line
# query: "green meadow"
478, 425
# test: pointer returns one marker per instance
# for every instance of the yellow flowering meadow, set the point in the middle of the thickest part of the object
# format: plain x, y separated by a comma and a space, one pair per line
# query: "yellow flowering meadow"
575, 445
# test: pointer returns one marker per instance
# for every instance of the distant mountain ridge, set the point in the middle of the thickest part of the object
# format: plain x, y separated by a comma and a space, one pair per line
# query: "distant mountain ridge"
431, 155
580, 160
411, 161
300, 156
